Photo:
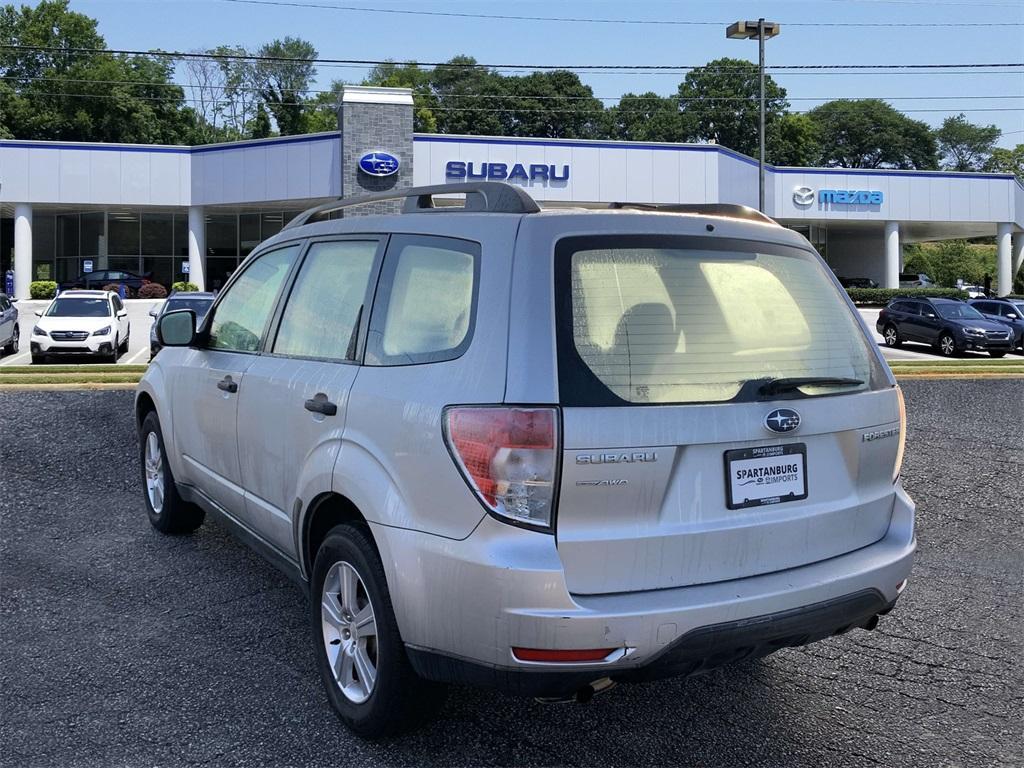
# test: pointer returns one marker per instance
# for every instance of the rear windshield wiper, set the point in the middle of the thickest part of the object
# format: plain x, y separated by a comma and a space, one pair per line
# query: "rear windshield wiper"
778, 386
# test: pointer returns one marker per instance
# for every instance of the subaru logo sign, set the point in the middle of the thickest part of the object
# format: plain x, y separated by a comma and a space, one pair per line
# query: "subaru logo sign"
379, 164
782, 420
803, 195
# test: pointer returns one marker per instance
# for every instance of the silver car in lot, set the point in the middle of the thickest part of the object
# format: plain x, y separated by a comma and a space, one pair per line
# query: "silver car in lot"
543, 451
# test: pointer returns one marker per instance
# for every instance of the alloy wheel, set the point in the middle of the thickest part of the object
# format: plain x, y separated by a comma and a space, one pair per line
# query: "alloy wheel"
154, 466
947, 346
890, 336
349, 632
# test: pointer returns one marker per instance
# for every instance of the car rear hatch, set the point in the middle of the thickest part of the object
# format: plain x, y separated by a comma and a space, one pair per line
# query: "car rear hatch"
724, 414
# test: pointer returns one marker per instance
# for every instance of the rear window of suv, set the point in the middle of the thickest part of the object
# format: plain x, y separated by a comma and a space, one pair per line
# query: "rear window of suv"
661, 320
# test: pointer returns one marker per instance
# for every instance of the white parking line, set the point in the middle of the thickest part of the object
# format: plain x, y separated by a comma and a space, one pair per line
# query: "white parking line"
136, 356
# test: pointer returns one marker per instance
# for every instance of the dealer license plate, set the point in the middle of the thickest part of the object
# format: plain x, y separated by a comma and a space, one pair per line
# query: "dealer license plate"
768, 474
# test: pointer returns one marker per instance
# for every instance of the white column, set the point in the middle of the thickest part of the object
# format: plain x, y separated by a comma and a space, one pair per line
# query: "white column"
197, 246
1004, 281
1017, 247
22, 249
892, 254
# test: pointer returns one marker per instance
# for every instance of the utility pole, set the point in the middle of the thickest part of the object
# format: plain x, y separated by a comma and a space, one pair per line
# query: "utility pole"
762, 30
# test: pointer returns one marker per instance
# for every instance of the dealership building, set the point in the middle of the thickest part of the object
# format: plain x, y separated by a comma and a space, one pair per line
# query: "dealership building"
178, 212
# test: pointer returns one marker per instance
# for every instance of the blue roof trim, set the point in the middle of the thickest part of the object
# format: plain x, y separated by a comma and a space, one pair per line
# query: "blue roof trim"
201, 149
588, 145
896, 173
175, 150
94, 147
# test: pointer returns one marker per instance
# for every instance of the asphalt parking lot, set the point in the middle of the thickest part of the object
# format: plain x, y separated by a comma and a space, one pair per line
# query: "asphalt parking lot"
123, 647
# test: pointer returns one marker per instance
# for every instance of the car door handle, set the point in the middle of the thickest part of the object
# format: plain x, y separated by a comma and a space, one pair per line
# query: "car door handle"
320, 404
227, 385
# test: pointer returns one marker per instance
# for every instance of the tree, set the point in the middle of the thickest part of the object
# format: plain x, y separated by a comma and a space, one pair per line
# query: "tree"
322, 110
471, 99
793, 140
720, 103
965, 146
283, 76
553, 105
391, 74
647, 117
239, 87
1007, 161
869, 133
83, 95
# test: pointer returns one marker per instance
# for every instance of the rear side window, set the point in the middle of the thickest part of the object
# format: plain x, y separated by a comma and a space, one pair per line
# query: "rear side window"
241, 315
653, 319
321, 319
426, 300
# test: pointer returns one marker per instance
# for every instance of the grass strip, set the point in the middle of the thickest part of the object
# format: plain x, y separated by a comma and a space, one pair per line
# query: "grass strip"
18, 369
103, 378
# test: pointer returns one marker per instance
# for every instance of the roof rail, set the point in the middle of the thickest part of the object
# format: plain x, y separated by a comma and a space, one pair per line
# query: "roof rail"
481, 197
725, 210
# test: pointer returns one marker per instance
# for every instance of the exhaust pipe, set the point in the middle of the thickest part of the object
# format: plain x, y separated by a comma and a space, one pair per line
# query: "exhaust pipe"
581, 696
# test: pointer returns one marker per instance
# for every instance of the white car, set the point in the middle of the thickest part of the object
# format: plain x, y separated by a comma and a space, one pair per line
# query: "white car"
93, 323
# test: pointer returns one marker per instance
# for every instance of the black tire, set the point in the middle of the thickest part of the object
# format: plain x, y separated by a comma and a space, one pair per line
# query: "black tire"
111, 356
11, 347
175, 515
123, 349
997, 355
38, 359
947, 345
891, 336
400, 700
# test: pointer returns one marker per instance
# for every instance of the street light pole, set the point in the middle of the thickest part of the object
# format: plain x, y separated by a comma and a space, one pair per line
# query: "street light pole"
760, 140
762, 30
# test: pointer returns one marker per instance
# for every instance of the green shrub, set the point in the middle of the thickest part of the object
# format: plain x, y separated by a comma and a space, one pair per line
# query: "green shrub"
882, 295
152, 291
184, 287
42, 289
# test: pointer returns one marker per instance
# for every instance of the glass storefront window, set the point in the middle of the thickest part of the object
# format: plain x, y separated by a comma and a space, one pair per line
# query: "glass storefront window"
249, 233
43, 245
222, 236
157, 234
123, 233
272, 223
93, 234
67, 236
180, 235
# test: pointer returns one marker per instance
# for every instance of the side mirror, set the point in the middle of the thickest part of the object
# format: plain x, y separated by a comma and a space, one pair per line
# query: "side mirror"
39, 313
154, 312
1011, 316
929, 314
177, 328
122, 313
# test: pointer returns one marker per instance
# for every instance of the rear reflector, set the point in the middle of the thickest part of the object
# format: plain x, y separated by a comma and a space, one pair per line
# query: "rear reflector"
552, 655
509, 456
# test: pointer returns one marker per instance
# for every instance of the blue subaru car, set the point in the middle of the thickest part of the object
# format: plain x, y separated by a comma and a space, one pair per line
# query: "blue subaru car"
1006, 311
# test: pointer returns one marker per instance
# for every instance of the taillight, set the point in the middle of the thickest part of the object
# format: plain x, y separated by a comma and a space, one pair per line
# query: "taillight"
898, 467
509, 457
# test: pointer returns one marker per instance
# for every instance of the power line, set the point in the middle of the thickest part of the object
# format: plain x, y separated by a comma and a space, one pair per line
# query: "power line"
581, 110
520, 96
180, 55
583, 20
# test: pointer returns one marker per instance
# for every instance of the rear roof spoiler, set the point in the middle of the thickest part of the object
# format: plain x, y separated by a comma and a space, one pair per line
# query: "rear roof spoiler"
724, 210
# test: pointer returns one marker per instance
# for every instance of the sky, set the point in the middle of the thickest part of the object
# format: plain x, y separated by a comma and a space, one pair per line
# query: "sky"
351, 34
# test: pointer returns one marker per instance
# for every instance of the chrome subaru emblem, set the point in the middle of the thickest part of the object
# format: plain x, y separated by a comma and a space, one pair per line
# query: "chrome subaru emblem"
379, 164
782, 420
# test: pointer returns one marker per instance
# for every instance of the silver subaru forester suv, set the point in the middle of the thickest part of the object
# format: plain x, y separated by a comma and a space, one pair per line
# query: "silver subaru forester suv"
544, 451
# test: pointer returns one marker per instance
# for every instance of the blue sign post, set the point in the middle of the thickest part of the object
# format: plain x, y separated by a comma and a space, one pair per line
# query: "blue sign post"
87, 266
9, 283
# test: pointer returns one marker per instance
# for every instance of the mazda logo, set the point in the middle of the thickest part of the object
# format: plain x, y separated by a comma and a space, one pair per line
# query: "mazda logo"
803, 195
782, 420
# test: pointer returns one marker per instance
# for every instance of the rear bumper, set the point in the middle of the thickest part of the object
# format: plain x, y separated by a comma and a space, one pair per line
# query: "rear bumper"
463, 605
698, 651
